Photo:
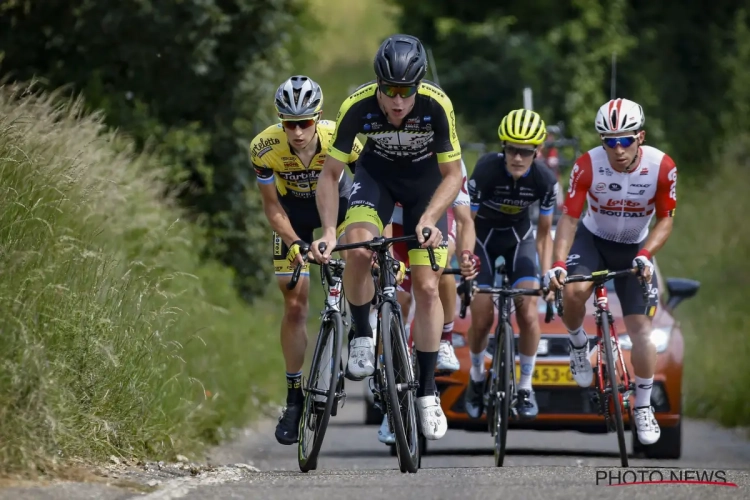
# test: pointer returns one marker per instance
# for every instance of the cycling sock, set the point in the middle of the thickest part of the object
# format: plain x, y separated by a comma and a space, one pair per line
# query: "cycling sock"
361, 318
477, 366
427, 362
373, 318
643, 388
294, 388
527, 371
448, 332
578, 337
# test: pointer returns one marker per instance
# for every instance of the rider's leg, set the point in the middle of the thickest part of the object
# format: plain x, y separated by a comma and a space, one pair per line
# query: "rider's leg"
482, 316
447, 360
643, 352
524, 273
293, 339
583, 258
369, 206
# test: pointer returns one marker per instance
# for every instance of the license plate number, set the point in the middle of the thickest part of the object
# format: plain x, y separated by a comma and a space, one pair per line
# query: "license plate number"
549, 375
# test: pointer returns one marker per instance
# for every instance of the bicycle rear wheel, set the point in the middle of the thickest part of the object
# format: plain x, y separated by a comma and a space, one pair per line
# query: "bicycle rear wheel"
401, 400
320, 392
506, 385
614, 385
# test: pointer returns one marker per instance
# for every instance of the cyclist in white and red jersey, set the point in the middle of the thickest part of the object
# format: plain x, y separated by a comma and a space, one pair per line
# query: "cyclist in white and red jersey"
461, 236
625, 184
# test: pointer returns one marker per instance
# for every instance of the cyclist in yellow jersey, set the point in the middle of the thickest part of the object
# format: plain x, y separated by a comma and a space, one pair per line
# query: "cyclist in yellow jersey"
288, 158
412, 156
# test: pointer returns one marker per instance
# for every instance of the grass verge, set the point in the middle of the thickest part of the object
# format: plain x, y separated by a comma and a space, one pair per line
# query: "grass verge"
116, 338
710, 243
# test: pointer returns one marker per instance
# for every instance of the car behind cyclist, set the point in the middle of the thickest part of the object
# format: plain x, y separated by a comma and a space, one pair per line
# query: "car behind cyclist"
288, 158
502, 187
625, 184
412, 156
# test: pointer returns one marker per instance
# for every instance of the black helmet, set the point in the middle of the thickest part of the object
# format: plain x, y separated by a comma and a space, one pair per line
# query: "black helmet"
401, 60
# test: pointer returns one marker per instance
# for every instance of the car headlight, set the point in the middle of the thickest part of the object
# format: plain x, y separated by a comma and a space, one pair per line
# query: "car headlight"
659, 337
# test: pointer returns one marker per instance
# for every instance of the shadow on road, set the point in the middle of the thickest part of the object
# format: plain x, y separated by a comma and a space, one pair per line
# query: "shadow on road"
385, 452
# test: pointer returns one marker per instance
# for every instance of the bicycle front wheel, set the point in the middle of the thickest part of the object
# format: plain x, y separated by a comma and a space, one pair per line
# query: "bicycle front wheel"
614, 386
320, 393
505, 378
401, 400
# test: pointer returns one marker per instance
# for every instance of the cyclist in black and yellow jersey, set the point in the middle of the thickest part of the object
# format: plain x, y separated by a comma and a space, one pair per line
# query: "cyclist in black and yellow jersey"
288, 158
412, 156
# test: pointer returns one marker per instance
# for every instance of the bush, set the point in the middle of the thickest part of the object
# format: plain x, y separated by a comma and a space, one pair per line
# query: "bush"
116, 338
710, 243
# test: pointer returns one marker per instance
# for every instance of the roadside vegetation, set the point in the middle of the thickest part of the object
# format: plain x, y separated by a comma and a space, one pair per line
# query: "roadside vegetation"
116, 338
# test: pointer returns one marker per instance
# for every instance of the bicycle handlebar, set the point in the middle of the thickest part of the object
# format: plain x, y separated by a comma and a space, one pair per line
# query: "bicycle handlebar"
376, 244
599, 278
304, 250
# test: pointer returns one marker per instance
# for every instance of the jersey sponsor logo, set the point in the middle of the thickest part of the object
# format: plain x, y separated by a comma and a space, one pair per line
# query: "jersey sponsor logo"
615, 187
463, 186
311, 175
644, 171
619, 213
510, 210
640, 185
673, 188
600, 187
639, 193
623, 203
264, 143
277, 244
605, 171
575, 176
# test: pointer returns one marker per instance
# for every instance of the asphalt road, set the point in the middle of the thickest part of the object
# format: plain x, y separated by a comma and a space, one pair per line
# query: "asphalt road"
547, 465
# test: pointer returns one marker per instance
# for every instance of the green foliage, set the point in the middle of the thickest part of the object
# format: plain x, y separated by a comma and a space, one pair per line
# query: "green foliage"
670, 58
193, 78
116, 339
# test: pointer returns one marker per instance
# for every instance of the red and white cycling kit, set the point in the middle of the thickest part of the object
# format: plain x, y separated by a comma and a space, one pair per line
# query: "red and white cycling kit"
621, 205
400, 251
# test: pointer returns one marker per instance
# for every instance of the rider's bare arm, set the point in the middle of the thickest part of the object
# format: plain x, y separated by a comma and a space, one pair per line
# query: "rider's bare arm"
544, 241
581, 177
666, 203
466, 233
327, 194
276, 214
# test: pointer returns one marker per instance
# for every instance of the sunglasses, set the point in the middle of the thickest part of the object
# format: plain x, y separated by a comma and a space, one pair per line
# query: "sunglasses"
512, 151
625, 142
303, 124
394, 90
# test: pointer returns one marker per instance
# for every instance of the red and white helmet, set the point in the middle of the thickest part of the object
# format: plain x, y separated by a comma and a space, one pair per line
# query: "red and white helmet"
619, 115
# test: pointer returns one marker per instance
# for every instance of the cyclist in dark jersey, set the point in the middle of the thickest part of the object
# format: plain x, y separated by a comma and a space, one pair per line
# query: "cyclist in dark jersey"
502, 188
412, 156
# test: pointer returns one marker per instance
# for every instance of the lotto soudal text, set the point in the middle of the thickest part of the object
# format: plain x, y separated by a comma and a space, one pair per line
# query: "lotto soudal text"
627, 477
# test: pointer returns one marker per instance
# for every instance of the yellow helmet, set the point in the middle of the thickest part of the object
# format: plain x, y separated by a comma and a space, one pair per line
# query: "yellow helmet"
522, 126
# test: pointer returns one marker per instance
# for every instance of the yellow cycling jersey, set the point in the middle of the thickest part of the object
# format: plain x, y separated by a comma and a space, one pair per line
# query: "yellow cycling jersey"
274, 161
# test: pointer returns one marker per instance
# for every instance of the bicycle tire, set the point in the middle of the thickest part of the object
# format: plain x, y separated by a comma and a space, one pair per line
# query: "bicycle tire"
615, 389
401, 416
332, 328
505, 382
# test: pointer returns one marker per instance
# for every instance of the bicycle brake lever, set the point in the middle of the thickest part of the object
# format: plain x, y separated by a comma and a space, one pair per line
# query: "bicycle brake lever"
426, 232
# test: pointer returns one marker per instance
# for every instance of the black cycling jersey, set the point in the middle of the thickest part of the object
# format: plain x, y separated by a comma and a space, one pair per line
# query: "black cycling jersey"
504, 202
428, 133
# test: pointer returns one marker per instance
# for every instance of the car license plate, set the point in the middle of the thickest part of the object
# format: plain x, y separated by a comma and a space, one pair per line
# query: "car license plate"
549, 375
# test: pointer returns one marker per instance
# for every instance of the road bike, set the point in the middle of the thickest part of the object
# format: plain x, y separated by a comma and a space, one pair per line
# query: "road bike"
500, 394
394, 382
612, 382
326, 368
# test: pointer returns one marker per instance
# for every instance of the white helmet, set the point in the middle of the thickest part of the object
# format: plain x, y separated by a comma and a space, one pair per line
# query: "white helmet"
619, 115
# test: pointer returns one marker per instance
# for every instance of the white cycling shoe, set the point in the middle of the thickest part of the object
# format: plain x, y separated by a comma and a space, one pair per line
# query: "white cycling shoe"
646, 425
580, 365
447, 360
432, 420
385, 435
361, 361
